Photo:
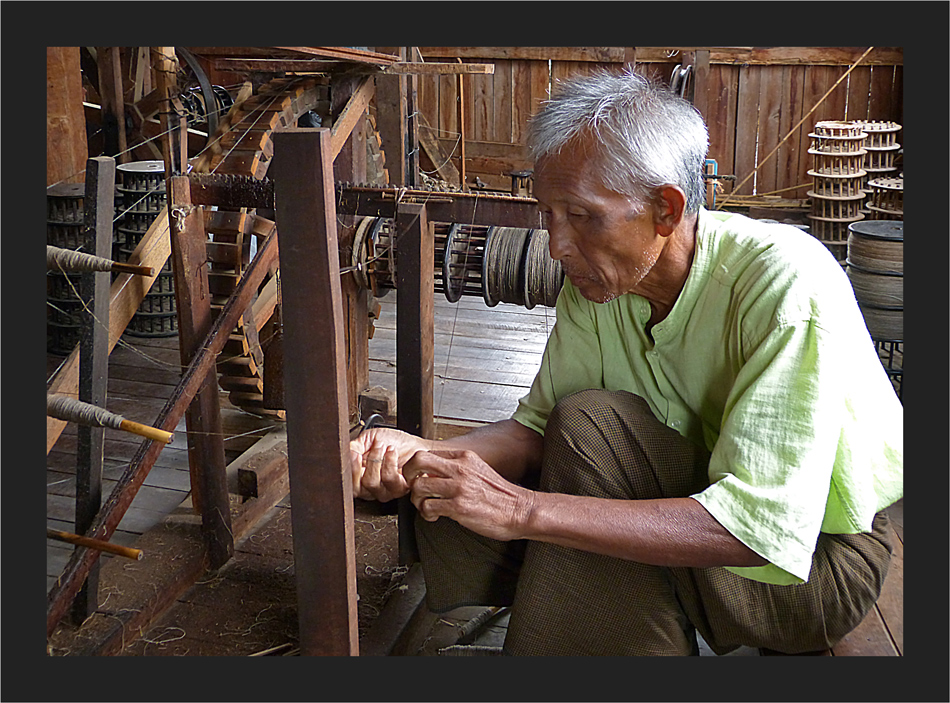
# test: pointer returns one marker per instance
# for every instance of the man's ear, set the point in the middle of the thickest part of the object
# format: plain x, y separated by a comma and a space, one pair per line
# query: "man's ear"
669, 206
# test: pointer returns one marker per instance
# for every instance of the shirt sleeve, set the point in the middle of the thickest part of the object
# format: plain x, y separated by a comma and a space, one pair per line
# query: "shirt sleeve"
572, 361
770, 471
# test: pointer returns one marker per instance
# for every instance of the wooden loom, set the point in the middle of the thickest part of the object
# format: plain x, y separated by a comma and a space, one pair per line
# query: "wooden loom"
217, 307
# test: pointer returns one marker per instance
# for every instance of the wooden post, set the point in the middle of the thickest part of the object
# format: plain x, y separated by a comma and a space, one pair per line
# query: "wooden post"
349, 165
701, 82
174, 122
415, 343
112, 96
98, 211
412, 126
206, 461
66, 147
391, 113
461, 124
321, 489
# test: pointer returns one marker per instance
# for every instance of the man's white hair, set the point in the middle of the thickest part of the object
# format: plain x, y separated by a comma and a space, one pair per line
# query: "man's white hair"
644, 136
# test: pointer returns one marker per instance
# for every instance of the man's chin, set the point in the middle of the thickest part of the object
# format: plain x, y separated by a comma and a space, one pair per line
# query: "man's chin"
592, 290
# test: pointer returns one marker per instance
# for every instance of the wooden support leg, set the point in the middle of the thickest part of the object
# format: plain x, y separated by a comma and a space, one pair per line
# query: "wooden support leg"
349, 165
315, 393
209, 489
415, 343
98, 211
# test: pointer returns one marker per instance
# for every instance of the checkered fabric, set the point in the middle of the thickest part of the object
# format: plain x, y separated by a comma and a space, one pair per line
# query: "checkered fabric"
570, 602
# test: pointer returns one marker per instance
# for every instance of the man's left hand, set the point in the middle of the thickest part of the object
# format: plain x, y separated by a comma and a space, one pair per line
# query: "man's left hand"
457, 484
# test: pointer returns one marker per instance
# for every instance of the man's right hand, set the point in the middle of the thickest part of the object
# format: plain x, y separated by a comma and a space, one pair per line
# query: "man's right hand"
377, 457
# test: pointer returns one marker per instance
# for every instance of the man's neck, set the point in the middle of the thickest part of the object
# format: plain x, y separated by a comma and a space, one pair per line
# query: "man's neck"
663, 285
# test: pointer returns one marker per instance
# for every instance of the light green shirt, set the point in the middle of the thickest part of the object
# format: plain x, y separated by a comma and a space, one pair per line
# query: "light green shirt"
766, 361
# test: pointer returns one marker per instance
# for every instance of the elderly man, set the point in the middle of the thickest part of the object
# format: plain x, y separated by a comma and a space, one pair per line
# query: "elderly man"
710, 441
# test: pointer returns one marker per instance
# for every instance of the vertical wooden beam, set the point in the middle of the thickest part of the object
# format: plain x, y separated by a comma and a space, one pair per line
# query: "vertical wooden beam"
412, 127
415, 303
174, 123
112, 96
461, 127
391, 114
700, 81
415, 364
630, 58
98, 211
66, 147
321, 489
350, 165
206, 460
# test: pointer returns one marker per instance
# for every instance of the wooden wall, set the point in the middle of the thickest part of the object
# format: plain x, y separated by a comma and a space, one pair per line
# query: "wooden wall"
751, 99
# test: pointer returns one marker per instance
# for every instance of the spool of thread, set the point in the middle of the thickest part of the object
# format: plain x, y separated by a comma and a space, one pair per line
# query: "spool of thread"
62, 407
58, 259
502, 276
876, 270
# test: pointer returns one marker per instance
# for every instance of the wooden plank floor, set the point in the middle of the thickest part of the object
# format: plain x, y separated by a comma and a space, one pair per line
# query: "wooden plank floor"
485, 358
143, 372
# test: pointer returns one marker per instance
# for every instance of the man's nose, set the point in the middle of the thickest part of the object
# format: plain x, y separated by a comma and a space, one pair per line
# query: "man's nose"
559, 243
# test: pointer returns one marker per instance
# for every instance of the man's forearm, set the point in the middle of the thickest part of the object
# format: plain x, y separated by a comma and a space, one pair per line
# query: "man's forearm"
510, 448
665, 532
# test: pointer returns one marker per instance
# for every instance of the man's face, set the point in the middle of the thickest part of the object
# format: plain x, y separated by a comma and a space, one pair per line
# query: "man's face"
605, 243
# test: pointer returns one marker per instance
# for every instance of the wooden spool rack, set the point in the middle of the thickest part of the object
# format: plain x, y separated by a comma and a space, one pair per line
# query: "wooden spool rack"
880, 135
838, 176
886, 198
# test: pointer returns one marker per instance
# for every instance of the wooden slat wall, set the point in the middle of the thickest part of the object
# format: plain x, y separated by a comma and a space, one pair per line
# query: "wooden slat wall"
754, 97
497, 106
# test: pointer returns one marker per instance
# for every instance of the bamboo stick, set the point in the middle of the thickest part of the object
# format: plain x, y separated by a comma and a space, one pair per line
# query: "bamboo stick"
98, 544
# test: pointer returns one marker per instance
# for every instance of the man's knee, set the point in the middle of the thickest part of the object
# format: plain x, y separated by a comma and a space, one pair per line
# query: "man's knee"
593, 407
610, 444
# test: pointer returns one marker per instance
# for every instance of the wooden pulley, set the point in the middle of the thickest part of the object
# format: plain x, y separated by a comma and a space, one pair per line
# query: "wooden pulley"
373, 260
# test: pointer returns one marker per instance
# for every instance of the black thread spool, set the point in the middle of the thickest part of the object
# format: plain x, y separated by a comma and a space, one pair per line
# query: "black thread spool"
143, 200
503, 266
64, 229
543, 276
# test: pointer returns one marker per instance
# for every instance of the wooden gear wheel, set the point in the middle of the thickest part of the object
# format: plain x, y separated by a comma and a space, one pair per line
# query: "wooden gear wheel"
245, 148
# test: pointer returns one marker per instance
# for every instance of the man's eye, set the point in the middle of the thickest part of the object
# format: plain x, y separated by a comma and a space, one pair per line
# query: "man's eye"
576, 213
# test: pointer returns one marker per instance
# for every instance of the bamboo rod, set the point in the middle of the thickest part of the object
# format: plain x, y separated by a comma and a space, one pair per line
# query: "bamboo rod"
122, 267
64, 407
147, 431
98, 544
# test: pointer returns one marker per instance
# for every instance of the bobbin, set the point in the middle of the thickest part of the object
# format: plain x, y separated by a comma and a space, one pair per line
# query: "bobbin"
876, 271
886, 199
880, 133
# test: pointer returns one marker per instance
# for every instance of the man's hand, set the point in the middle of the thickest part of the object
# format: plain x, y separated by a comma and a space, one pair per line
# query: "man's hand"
459, 485
377, 457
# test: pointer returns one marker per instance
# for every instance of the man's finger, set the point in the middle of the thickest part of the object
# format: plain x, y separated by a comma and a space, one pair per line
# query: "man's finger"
423, 462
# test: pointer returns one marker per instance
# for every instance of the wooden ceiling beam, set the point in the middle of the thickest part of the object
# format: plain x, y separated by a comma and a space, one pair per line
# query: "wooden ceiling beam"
320, 66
